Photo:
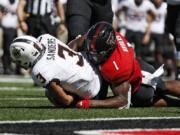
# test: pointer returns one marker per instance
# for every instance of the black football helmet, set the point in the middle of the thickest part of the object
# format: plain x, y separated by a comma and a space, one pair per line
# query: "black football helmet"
100, 42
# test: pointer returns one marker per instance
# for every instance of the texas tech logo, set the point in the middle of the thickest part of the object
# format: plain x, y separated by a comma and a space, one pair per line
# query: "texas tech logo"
111, 39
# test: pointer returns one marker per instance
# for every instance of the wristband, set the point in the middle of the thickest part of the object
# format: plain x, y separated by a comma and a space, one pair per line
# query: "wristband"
83, 104
62, 22
21, 21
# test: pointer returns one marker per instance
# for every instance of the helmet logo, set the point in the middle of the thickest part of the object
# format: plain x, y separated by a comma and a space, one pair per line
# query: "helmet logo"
110, 39
16, 52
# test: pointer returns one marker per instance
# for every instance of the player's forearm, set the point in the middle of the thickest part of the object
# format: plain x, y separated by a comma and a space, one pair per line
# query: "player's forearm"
60, 10
20, 10
73, 45
114, 102
69, 100
61, 96
76, 44
150, 18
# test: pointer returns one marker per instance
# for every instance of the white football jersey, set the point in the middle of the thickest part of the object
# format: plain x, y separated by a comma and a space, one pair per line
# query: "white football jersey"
158, 25
9, 20
67, 66
136, 15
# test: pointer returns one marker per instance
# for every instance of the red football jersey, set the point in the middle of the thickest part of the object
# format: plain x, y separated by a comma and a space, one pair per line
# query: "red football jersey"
122, 65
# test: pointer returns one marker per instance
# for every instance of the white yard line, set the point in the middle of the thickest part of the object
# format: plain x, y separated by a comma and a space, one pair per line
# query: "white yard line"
15, 79
97, 119
23, 98
19, 88
12, 88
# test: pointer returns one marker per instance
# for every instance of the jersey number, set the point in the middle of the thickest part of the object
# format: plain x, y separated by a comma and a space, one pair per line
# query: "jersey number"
41, 78
71, 53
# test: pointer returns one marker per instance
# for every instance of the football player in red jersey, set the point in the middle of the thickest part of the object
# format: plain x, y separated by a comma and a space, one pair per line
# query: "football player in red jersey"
131, 80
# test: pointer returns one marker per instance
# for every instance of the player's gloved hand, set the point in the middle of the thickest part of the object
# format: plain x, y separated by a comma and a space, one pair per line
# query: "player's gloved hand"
83, 104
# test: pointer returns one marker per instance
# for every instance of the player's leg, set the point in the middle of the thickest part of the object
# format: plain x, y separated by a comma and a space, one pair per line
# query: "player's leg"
102, 11
159, 44
47, 26
167, 93
77, 25
177, 43
167, 101
78, 17
169, 86
143, 97
160, 103
139, 47
173, 26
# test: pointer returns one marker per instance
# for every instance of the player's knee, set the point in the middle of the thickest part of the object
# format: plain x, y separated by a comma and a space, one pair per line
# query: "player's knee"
143, 97
161, 86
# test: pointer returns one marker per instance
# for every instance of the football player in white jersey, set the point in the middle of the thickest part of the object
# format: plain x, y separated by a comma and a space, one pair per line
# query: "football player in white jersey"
139, 16
173, 27
62, 71
158, 31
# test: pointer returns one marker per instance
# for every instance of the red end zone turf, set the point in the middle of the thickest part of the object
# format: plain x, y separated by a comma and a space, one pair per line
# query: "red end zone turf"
143, 132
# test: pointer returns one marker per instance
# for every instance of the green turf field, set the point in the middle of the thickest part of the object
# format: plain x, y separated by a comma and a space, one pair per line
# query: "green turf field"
23, 101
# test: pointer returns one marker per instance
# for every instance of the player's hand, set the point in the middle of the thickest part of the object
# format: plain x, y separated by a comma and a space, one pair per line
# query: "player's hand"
23, 26
146, 39
62, 28
83, 104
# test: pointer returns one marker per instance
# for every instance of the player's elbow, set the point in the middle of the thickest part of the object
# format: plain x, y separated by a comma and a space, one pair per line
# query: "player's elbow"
122, 102
67, 101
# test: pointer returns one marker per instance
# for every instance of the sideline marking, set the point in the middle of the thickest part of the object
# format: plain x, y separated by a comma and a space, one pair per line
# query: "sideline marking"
19, 88
79, 120
15, 79
24, 98
138, 131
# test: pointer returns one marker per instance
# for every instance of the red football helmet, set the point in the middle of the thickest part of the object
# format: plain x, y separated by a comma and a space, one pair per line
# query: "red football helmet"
100, 42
